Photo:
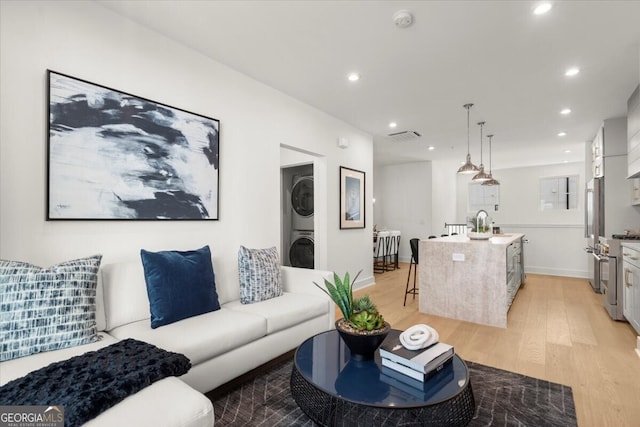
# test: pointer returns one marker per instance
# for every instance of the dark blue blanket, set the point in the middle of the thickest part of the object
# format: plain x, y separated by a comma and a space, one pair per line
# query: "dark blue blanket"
89, 384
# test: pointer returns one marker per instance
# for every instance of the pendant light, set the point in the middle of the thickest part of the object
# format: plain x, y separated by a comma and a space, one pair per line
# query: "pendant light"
468, 167
491, 180
481, 176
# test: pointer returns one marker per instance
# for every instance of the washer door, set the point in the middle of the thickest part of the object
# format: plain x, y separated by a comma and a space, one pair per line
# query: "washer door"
302, 196
301, 253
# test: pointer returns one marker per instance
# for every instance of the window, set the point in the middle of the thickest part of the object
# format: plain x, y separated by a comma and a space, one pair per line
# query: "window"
559, 193
485, 197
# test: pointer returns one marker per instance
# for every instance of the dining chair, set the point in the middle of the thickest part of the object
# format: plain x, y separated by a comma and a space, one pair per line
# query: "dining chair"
413, 243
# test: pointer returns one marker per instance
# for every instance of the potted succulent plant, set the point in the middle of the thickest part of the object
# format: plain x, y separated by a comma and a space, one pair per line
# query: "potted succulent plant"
362, 327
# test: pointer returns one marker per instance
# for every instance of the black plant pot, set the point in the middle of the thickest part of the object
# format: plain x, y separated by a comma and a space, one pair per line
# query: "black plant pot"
363, 346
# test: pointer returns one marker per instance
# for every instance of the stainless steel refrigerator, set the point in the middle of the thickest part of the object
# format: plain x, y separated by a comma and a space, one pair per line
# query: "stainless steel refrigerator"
594, 227
607, 202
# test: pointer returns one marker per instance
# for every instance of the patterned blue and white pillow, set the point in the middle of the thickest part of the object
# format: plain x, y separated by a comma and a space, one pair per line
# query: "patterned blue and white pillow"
44, 309
260, 276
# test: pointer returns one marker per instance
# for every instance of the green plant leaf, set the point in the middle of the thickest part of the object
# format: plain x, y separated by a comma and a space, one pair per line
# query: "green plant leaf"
337, 295
341, 293
348, 291
345, 293
332, 293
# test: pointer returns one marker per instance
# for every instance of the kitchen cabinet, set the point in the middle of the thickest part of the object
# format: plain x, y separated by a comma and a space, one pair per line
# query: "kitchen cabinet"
633, 134
472, 280
610, 141
635, 191
597, 153
485, 197
631, 283
515, 269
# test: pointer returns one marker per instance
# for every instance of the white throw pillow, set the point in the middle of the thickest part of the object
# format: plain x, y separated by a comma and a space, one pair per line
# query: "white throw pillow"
260, 277
46, 309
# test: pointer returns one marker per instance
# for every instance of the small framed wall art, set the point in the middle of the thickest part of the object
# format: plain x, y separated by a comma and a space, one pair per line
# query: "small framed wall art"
352, 197
116, 156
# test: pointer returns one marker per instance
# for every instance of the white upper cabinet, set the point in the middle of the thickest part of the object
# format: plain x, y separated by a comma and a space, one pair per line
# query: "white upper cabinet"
609, 141
597, 152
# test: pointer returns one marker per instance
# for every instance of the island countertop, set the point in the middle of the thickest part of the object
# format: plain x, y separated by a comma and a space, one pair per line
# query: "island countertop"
496, 239
468, 279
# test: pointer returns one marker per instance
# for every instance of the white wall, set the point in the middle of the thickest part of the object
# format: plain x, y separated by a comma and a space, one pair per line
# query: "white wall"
403, 202
556, 238
87, 41
444, 194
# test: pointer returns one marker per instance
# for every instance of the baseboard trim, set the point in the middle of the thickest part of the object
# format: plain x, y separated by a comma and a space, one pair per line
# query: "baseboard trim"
557, 272
363, 283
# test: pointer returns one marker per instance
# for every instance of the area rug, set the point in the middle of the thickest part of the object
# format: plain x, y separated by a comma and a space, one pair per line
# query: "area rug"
503, 398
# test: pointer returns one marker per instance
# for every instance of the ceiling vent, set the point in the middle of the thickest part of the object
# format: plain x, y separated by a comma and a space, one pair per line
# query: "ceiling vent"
405, 135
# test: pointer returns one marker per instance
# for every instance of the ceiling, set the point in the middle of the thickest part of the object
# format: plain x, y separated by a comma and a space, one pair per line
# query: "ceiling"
497, 55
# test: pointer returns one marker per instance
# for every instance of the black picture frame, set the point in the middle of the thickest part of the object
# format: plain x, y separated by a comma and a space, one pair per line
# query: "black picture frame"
352, 198
112, 155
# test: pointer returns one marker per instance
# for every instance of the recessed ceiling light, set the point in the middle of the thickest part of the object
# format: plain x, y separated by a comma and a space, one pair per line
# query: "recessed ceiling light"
567, 151
542, 8
562, 134
572, 71
353, 77
431, 148
393, 124
565, 161
565, 111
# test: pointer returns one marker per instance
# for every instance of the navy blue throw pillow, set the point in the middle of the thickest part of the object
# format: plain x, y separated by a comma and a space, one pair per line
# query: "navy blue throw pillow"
179, 284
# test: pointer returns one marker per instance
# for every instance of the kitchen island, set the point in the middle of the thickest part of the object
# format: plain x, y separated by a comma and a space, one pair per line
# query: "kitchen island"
472, 280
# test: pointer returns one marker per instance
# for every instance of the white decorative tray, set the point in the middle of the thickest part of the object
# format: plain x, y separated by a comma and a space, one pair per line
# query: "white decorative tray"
479, 236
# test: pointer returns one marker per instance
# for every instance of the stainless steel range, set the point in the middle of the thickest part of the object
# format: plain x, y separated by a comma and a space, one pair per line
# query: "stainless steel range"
609, 256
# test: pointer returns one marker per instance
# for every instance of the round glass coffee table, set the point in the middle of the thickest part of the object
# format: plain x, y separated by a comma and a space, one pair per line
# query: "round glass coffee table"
334, 390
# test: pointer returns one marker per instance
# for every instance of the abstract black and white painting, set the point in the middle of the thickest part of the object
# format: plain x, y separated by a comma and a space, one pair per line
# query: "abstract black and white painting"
351, 198
113, 155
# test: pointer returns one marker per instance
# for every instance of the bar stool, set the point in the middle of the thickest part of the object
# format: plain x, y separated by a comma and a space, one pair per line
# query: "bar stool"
413, 243
380, 252
392, 252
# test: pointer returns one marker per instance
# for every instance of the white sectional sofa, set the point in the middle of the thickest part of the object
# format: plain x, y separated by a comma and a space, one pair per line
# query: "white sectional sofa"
221, 345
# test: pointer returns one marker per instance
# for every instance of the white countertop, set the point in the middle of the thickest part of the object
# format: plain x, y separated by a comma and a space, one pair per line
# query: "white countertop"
499, 239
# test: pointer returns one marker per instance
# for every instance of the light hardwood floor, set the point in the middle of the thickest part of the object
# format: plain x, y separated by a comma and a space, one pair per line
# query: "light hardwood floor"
557, 331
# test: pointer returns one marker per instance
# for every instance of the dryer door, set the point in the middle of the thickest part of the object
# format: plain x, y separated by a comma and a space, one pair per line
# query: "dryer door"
302, 196
301, 253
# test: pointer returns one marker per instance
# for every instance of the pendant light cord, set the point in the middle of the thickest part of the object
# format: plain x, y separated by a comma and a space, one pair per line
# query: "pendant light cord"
468, 107
468, 143
481, 125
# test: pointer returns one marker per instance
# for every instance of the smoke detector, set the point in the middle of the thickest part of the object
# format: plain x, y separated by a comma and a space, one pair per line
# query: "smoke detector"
403, 19
404, 136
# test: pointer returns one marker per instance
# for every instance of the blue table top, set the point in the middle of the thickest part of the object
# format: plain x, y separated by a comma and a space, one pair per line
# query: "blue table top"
324, 360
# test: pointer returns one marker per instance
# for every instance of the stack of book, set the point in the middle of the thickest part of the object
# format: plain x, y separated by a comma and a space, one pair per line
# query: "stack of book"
422, 390
418, 364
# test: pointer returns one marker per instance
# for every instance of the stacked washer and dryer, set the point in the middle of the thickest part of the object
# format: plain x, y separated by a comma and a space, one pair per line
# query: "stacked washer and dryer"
298, 226
301, 251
